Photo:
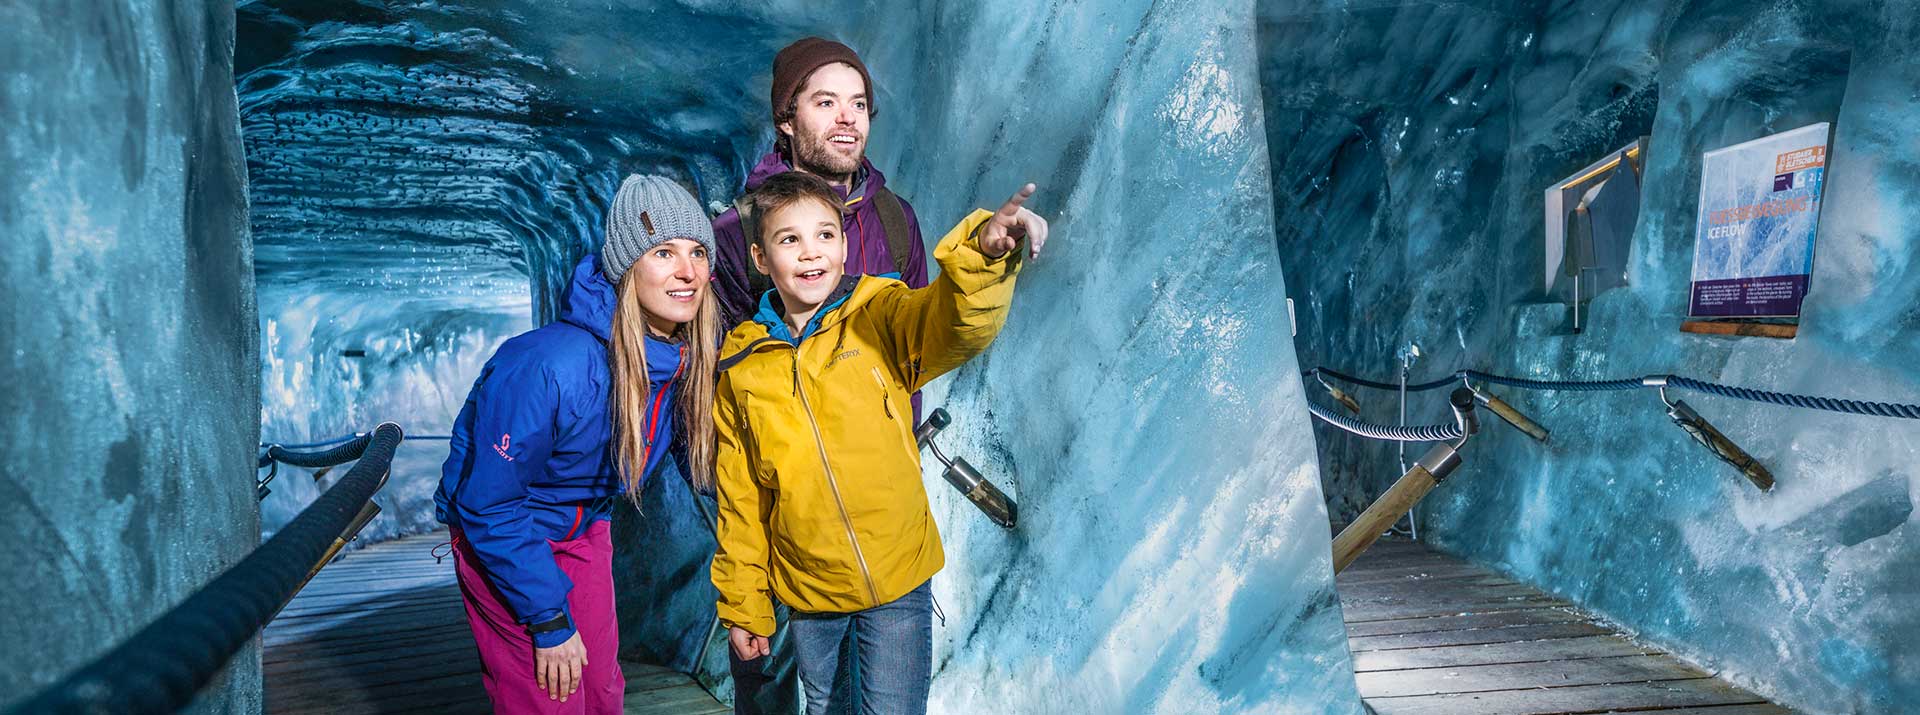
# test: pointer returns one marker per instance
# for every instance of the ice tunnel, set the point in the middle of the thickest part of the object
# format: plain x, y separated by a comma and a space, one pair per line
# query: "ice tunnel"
338, 211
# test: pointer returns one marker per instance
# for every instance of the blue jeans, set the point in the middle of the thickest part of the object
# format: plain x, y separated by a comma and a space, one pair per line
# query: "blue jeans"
893, 645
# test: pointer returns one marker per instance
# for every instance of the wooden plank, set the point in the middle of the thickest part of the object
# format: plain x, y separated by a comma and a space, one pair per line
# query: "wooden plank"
1373, 611
1462, 590
387, 594
1387, 554
1519, 676
1477, 636
1422, 575
1575, 700
369, 634
673, 700
402, 615
1355, 576
1424, 590
1742, 329
412, 667
1462, 622
1528, 652
348, 696
436, 639
293, 665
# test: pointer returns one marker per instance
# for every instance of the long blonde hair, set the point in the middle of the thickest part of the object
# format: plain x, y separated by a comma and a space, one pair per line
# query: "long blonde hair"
632, 391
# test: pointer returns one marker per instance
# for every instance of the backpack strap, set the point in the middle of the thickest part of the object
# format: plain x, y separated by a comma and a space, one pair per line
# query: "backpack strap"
757, 283
893, 222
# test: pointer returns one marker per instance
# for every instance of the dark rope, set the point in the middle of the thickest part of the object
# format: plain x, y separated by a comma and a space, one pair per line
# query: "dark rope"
322, 443
1392, 433
1564, 385
349, 438
318, 460
1812, 402
162, 667
1420, 387
1830, 404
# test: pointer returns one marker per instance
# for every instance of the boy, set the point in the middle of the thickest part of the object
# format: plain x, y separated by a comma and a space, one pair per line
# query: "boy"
814, 510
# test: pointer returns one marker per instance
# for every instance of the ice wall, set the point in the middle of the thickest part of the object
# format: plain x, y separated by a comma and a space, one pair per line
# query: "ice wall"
1143, 403
130, 393
1410, 144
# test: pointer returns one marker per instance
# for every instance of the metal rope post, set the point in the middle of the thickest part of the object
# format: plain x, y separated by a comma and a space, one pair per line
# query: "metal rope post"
1419, 479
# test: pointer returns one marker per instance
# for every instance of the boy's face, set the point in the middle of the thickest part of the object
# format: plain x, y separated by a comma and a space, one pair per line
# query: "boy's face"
803, 252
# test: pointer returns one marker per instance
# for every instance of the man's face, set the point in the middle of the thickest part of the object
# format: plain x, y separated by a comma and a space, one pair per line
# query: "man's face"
829, 125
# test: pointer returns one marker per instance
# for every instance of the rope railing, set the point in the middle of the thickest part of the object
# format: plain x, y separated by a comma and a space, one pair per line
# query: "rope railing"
1683, 415
348, 438
1830, 404
1392, 433
161, 668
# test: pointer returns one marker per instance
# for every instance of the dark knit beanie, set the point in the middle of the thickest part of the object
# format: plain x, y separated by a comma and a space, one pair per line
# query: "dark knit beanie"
797, 61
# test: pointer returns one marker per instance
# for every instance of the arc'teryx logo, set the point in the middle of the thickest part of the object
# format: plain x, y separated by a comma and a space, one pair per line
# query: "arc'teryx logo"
506, 440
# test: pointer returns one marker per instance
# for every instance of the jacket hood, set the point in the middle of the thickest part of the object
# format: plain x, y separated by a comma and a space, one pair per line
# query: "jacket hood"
865, 182
590, 299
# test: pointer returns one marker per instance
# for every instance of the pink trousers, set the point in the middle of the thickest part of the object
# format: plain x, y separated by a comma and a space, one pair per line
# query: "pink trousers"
506, 651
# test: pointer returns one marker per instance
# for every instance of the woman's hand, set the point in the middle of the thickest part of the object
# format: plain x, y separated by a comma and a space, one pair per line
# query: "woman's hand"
746, 645
557, 669
1012, 222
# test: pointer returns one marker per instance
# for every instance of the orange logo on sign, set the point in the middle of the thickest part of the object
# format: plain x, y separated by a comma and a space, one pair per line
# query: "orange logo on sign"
1808, 158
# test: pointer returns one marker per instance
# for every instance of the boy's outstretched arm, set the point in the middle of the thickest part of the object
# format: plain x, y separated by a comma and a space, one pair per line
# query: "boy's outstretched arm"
935, 329
740, 529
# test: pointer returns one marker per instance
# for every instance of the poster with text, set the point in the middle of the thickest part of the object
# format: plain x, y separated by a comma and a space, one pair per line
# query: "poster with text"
1759, 208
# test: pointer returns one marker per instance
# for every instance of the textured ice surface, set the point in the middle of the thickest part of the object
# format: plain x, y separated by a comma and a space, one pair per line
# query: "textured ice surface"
417, 166
1142, 404
1409, 152
128, 392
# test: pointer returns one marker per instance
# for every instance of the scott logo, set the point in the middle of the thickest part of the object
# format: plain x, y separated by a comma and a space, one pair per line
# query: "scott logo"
506, 440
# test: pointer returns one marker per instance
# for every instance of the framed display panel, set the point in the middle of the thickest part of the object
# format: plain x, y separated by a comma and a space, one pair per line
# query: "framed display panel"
1754, 236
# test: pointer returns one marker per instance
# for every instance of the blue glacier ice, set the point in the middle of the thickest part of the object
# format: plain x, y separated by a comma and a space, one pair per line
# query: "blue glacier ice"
127, 340
1410, 143
422, 174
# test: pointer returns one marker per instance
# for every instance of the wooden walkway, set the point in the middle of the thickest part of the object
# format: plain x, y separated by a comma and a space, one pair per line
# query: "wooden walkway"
1434, 635
381, 630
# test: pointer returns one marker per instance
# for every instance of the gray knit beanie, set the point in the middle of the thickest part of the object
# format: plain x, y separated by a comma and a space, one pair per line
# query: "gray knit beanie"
649, 211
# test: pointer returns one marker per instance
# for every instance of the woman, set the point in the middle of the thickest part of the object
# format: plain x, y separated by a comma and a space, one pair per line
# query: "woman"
562, 420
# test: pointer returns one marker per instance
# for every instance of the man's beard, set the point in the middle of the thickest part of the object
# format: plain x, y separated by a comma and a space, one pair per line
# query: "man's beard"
813, 154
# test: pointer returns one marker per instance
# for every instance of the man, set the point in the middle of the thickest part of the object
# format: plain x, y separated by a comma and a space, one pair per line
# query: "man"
822, 109
822, 104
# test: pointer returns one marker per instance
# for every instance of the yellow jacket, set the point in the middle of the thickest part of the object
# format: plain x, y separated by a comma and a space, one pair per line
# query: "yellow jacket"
821, 503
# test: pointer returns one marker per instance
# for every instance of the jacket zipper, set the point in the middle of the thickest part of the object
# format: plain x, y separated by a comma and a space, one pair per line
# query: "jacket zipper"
834, 486
886, 398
